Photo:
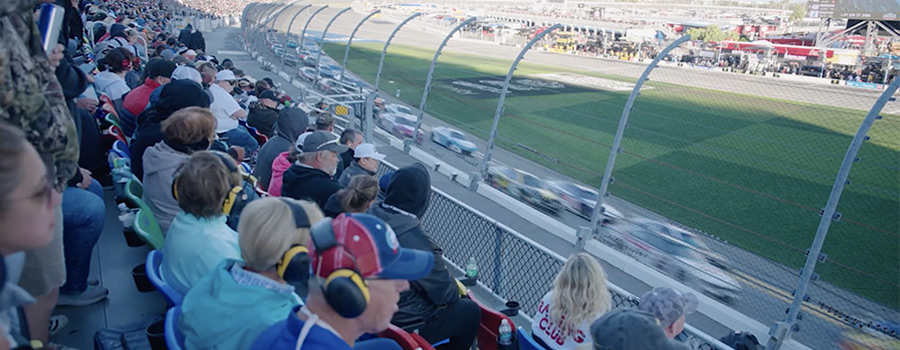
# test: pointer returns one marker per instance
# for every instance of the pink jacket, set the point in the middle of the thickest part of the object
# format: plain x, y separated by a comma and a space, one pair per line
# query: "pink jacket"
279, 166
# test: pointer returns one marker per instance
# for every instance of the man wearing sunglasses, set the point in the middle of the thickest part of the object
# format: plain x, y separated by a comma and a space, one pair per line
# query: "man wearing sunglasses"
227, 112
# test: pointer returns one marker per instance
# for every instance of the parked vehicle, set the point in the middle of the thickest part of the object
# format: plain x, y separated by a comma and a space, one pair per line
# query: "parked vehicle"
675, 258
581, 200
453, 140
525, 187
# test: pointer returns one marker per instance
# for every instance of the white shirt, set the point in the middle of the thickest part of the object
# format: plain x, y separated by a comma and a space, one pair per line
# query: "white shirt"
222, 108
544, 329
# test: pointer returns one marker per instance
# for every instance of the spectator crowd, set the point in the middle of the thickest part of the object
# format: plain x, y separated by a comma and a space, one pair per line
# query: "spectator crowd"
262, 215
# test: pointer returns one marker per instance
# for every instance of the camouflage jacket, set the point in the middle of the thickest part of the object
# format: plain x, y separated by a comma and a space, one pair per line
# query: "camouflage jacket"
30, 96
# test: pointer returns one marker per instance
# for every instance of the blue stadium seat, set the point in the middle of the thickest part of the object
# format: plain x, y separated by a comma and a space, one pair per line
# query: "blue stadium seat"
154, 260
174, 337
526, 341
121, 149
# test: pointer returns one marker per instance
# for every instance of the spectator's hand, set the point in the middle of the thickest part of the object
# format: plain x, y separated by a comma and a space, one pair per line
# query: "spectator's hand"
56, 55
86, 179
87, 103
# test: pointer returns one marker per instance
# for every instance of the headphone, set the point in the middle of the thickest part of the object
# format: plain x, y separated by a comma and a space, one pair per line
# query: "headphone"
344, 288
236, 192
293, 267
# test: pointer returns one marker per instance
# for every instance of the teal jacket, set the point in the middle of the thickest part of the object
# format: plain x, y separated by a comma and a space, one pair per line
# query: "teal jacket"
229, 308
193, 247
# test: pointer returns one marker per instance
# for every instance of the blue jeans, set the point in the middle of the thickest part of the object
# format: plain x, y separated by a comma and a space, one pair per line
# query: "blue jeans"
84, 213
239, 136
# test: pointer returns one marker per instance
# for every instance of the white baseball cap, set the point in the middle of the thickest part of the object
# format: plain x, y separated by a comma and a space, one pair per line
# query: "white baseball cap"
225, 75
367, 150
184, 72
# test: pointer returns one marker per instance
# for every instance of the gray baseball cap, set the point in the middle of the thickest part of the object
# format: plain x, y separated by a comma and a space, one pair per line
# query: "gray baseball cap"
668, 304
323, 141
631, 329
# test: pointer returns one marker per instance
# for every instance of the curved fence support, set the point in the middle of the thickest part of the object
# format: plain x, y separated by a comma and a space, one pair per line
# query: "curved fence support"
428, 78
287, 34
483, 169
781, 331
268, 15
275, 17
623, 122
350, 41
305, 26
324, 33
384, 51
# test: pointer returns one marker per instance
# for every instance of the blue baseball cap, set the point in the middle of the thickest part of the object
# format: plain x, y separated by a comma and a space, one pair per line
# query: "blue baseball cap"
369, 244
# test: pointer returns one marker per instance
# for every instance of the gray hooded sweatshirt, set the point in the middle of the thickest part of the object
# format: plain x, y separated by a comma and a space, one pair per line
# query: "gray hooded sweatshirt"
291, 123
160, 163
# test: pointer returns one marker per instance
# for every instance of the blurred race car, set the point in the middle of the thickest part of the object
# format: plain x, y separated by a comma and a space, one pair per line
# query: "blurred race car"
402, 126
525, 187
453, 140
675, 258
307, 73
581, 201
866, 338
682, 235
398, 109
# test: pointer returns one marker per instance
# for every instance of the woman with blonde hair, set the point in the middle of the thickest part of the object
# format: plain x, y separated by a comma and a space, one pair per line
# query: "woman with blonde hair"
579, 297
262, 287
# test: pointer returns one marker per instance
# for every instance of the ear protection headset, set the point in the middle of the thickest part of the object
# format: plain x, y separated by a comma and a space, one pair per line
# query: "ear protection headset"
233, 195
344, 288
293, 267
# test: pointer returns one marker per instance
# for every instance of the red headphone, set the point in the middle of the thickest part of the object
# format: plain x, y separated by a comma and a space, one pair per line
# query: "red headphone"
126, 65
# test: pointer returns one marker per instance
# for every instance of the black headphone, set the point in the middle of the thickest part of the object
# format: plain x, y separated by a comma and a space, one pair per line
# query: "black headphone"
344, 288
293, 267
237, 191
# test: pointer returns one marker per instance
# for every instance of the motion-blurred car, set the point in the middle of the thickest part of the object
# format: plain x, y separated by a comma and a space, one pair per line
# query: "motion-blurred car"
397, 124
398, 109
290, 60
307, 73
525, 187
291, 43
581, 200
687, 237
866, 338
453, 140
677, 259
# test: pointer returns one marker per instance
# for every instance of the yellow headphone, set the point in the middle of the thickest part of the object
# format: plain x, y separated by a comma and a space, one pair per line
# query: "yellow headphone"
233, 194
293, 267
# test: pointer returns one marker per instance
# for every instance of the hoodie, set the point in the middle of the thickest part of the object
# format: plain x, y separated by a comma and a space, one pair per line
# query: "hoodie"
174, 96
111, 85
209, 309
161, 161
291, 123
279, 166
353, 170
307, 183
262, 118
403, 206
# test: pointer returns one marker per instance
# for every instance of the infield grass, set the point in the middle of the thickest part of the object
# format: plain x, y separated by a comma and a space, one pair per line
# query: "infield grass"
750, 170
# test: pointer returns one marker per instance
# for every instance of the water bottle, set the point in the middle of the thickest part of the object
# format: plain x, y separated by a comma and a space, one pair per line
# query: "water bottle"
471, 268
505, 331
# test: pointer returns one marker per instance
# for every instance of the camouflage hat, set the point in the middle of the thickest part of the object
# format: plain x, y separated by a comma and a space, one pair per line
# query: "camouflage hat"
668, 304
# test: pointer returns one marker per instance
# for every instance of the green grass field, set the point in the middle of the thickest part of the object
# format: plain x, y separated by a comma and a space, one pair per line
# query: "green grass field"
753, 171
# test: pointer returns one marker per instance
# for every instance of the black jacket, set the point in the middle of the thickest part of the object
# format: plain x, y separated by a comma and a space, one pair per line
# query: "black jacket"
196, 42
300, 182
262, 118
185, 35
409, 191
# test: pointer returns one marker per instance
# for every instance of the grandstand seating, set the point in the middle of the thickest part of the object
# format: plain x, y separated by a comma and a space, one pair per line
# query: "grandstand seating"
117, 133
404, 339
147, 228
154, 260
121, 149
490, 323
526, 342
174, 337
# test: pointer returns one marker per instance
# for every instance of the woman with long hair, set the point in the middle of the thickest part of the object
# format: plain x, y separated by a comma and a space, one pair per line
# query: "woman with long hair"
579, 297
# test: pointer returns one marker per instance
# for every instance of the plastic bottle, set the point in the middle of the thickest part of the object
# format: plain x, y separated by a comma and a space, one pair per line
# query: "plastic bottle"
505, 332
471, 268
